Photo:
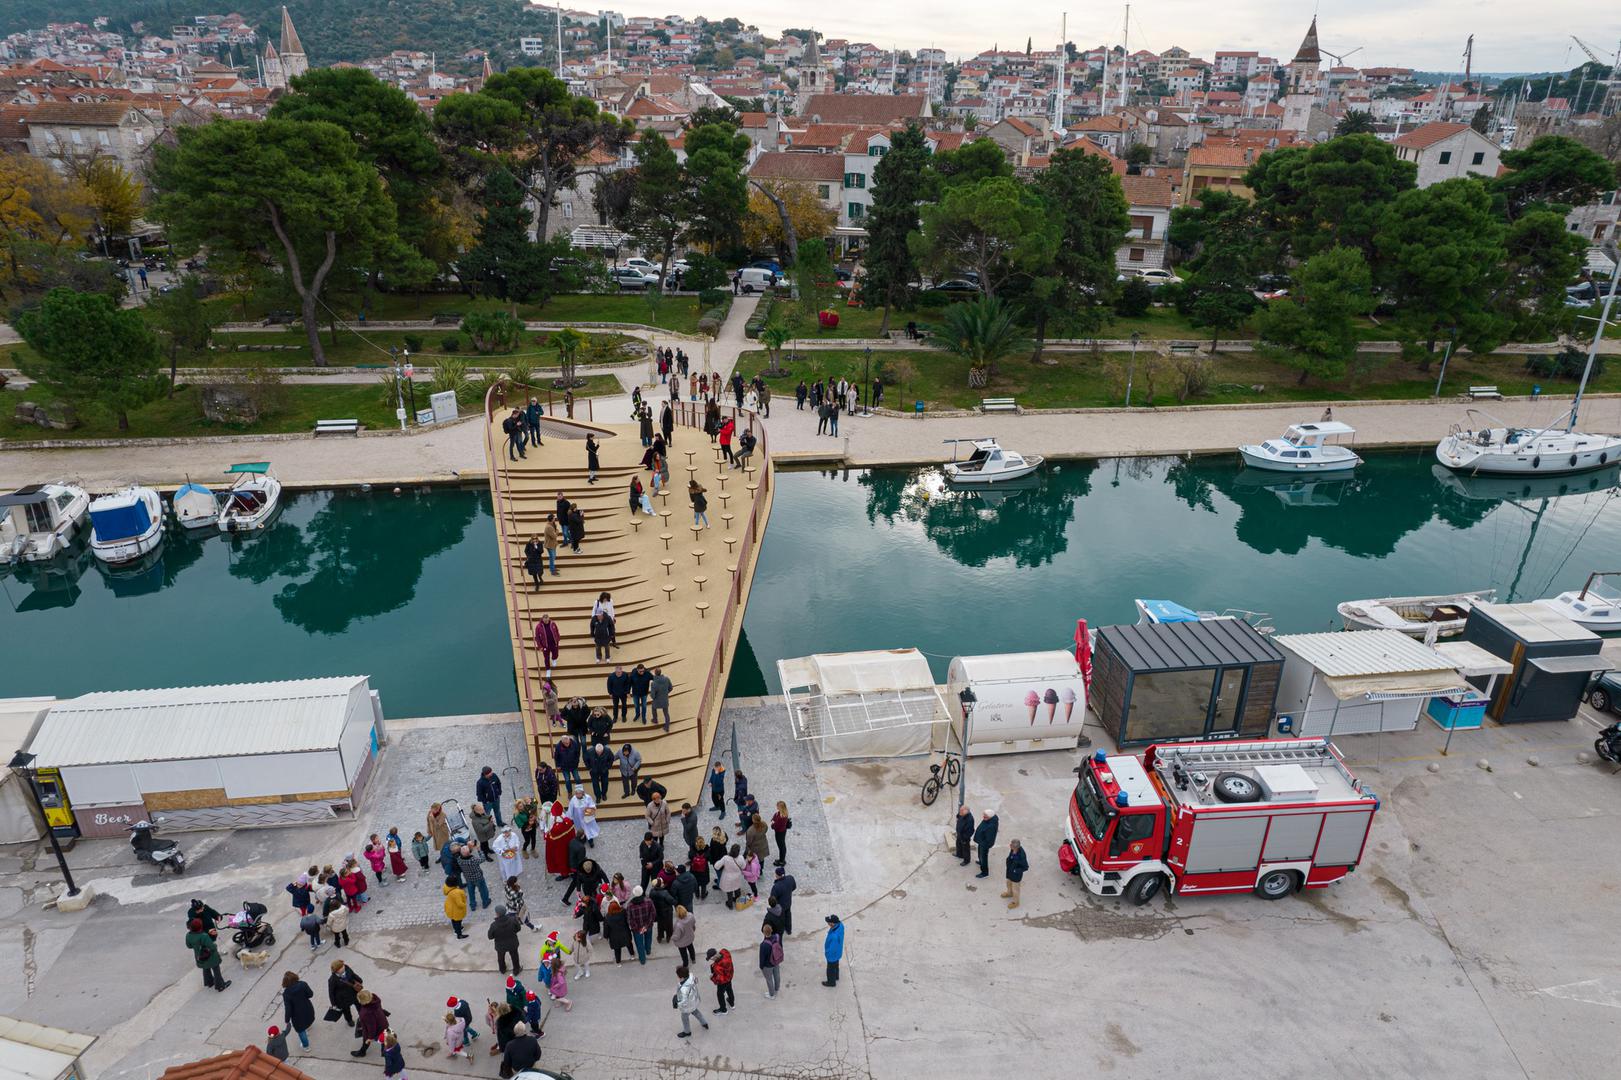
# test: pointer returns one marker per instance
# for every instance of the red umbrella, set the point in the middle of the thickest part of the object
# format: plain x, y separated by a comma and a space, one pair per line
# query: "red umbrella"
1083, 651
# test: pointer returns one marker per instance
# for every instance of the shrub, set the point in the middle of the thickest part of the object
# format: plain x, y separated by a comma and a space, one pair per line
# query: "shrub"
932, 298
1565, 364
493, 331
519, 373
1135, 298
707, 274
413, 342
708, 298
451, 344
451, 374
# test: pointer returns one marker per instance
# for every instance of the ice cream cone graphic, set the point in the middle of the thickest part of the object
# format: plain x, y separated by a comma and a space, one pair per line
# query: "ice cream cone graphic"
1033, 701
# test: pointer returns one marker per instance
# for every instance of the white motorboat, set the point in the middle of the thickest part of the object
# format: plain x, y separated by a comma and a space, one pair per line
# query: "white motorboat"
1304, 448
989, 463
196, 507
253, 499
1424, 617
40, 520
126, 524
1595, 606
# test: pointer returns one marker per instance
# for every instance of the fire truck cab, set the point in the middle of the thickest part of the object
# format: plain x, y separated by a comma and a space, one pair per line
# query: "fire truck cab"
1267, 816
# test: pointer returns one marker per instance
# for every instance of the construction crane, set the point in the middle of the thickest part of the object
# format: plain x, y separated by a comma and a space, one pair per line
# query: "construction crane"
1612, 85
1339, 58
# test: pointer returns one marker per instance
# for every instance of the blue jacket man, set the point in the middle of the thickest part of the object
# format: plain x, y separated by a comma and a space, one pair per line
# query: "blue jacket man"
717, 788
833, 949
985, 839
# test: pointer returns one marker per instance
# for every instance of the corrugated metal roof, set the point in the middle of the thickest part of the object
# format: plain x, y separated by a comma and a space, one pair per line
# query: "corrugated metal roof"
1364, 652
183, 723
1206, 644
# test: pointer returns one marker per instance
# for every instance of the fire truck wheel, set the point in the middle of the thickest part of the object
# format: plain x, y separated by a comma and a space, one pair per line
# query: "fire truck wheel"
1235, 787
1276, 885
1144, 888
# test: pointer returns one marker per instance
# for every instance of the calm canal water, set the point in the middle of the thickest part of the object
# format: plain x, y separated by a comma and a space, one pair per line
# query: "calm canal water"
406, 589
895, 558
402, 588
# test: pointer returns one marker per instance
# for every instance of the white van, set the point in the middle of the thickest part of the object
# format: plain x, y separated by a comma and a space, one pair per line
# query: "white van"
756, 279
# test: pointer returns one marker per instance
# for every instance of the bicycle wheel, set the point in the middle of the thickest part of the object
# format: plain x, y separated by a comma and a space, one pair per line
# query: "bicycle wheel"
953, 771
931, 790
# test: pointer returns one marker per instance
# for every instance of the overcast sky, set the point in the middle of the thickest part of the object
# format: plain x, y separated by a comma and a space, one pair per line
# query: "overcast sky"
1423, 34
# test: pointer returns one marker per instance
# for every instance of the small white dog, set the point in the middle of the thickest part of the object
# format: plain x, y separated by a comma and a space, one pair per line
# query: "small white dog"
252, 959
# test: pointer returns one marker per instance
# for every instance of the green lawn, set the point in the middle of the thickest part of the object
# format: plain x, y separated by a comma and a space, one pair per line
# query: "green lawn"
1084, 380
182, 415
371, 347
674, 313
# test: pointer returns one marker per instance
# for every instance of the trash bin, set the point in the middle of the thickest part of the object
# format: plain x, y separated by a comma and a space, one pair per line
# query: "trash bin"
1536, 391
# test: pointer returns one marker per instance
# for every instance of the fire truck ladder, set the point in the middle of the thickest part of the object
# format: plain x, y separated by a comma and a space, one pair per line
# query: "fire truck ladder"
1209, 759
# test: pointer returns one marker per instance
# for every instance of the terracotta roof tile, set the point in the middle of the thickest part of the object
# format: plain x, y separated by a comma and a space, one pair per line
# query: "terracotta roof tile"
80, 113
863, 108
251, 1063
785, 165
1429, 135
1148, 190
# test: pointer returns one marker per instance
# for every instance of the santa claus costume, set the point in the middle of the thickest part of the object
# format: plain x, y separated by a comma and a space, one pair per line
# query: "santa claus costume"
557, 839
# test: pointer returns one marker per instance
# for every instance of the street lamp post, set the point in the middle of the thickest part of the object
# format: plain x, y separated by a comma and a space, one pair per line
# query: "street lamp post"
866, 380
20, 764
409, 384
1131, 365
968, 698
1439, 379
399, 395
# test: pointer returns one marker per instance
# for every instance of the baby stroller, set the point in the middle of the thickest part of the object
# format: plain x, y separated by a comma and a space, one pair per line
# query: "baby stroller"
456, 819
252, 931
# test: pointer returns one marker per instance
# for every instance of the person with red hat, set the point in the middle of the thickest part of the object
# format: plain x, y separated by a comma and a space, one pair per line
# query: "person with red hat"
465, 1012
557, 843
276, 1044
531, 1012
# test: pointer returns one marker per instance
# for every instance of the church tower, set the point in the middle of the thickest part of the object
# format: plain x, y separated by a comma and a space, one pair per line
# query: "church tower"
293, 60
271, 72
1304, 84
813, 77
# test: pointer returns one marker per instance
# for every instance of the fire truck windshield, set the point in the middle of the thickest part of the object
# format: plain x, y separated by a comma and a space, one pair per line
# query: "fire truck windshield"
1094, 808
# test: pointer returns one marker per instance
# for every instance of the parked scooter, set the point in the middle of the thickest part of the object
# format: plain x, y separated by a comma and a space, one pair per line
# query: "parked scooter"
148, 848
1608, 743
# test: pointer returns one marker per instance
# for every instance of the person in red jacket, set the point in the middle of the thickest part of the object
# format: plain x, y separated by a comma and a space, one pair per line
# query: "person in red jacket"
727, 429
720, 973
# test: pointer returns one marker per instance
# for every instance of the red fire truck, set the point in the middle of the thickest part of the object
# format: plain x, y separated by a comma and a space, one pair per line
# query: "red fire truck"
1269, 816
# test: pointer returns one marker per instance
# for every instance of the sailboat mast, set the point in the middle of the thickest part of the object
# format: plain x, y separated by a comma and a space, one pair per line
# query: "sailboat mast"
1125, 53
1598, 335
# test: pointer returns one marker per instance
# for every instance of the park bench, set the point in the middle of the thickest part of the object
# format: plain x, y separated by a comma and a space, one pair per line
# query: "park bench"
275, 318
337, 427
447, 318
998, 404
1181, 348
376, 367
1478, 392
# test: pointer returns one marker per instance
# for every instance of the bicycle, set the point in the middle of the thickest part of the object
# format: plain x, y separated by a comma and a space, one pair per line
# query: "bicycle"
941, 774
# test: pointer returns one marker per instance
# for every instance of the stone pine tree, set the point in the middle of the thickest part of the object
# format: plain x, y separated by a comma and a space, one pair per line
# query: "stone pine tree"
293, 192
1084, 198
91, 352
504, 261
901, 181
1316, 324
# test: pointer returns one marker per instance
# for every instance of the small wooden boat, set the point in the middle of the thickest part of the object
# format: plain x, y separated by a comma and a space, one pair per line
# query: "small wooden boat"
1415, 616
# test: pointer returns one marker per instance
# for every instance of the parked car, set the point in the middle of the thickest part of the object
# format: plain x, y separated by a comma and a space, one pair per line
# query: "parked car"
646, 266
1605, 693
756, 279
627, 277
767, 264
959, 286
1157, 276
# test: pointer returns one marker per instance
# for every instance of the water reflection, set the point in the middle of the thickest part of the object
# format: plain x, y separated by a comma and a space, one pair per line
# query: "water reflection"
1025, 520
53, 583
367, 555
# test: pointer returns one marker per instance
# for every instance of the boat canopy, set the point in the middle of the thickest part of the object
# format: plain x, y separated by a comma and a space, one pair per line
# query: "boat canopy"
120, 522
27, 496
192, 489
259, 467
1168, 611
1315, 432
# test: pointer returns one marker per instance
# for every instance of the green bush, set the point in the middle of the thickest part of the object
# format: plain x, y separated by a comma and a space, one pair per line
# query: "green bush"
932, 298
707, 274
708, 298
451, 344
451, 374
413, 342
1135, 298
493, 331
1565, 364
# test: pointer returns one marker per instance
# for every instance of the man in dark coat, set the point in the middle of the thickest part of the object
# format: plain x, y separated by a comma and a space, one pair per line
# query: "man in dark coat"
965, 833
504, 929
782, 894
689, 828
641, 682
488, 792
566, 755
684, 887
647, 786
601, 729
1017, 863
985, 839
619, 693
599, 762
341, 987
522, 1052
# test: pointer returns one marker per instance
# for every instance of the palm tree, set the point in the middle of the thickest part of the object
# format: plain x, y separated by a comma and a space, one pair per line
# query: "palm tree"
1355, 122
568, 342
774, 336
981, 331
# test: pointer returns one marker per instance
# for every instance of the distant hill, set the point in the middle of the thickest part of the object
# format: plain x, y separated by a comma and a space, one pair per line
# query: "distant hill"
332, 30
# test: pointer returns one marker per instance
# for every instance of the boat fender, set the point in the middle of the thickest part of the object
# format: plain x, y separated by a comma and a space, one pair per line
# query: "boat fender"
1536, 462
1573, 459
1604, 458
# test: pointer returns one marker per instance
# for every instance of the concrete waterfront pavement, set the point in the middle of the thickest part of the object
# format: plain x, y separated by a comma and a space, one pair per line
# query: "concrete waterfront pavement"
1463, 946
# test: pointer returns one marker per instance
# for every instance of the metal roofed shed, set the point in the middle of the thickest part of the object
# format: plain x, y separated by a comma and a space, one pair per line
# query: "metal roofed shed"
1552, 660
288, 752
1215, 678
862, 704
1343, 683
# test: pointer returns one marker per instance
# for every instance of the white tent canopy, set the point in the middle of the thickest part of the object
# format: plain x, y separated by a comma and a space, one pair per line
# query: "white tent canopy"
862, 704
